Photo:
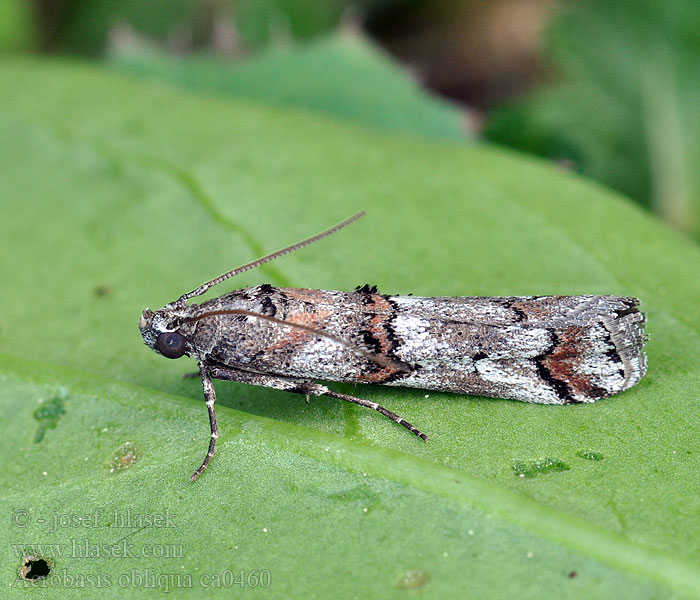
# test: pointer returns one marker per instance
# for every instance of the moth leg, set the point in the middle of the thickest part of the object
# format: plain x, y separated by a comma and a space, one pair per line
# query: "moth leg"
308, 388
288, 384
210, 397
374, 406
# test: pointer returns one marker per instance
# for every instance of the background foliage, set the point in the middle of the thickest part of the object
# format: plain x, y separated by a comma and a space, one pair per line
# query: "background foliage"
606, 88
623, 107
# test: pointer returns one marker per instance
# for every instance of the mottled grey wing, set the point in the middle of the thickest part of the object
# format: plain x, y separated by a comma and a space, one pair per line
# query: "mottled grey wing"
550, 349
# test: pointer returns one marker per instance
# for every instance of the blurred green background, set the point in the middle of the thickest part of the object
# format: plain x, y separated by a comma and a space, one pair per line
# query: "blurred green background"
608, 89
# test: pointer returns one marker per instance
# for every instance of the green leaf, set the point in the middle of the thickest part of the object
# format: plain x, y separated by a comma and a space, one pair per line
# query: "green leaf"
341, 75
117, 195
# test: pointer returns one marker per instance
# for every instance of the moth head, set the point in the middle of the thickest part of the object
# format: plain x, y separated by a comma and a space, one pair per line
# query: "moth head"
160, 332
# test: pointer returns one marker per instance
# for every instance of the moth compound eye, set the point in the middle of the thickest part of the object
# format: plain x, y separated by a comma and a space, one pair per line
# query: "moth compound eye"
171, 344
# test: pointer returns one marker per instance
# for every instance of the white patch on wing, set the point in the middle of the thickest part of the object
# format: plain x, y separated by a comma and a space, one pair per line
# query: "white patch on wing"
412, 331
521, 377
461, 309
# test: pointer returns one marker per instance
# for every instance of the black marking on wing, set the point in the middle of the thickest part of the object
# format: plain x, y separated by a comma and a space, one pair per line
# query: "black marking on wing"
268, 308
394, 343
283, 298
519, 313
561, 388
371, 341
366, 289
614, 353
615, 357
631, 305
383, 345
264, 293
366, 292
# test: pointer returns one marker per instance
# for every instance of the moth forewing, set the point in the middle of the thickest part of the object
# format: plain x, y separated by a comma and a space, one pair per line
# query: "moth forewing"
545, 349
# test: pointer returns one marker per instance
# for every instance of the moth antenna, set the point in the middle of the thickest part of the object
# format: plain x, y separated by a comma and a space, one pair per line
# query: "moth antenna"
376, 358
256, 263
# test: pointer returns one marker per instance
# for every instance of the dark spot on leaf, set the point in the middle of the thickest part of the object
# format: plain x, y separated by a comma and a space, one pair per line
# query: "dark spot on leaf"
101, 291
34, 568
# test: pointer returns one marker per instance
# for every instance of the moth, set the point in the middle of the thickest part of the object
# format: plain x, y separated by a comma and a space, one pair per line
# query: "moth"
545, 349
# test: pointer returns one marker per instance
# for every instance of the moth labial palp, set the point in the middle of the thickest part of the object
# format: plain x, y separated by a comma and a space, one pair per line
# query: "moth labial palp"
544, 349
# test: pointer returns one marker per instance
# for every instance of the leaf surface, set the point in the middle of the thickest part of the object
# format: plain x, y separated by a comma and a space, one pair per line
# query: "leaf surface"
118, 195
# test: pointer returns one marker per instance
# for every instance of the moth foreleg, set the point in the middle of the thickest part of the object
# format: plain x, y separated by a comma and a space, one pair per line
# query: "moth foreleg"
308, 388
210, 398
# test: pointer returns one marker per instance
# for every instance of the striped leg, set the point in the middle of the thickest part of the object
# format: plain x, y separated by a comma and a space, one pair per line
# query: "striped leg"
210, 397
374, 406
307, 388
